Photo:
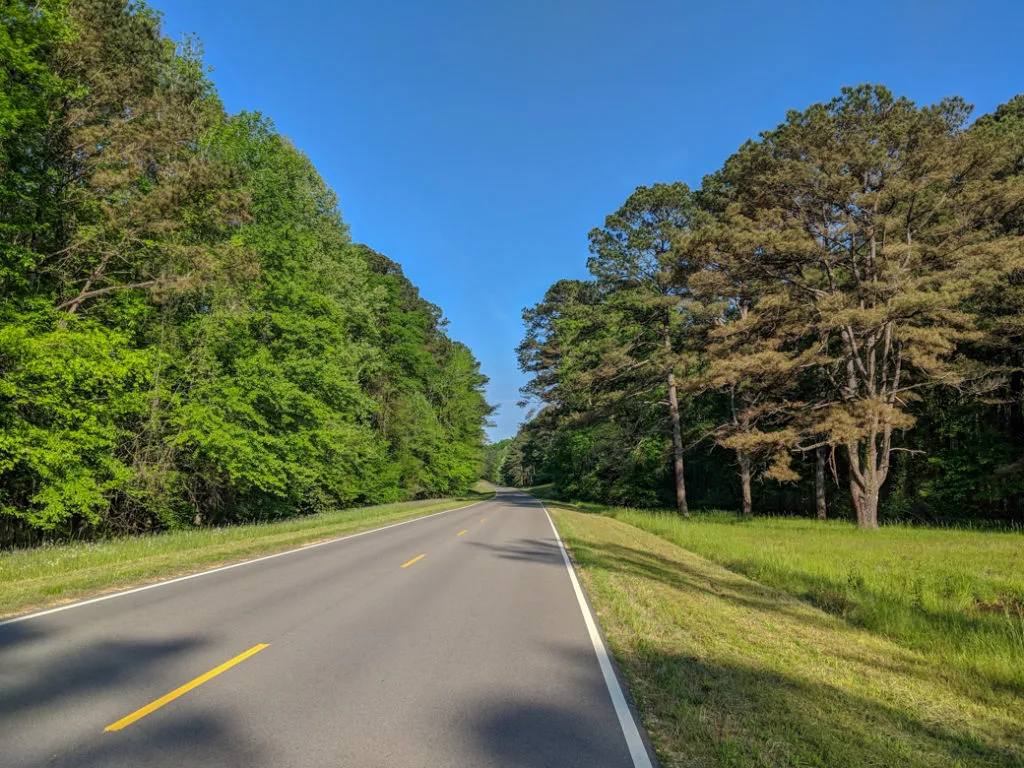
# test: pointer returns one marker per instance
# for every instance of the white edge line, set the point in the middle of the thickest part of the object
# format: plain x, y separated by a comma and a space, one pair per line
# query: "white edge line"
122, 593
630, 729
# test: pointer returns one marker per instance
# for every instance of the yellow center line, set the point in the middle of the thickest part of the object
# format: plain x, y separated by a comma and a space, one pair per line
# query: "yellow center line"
482, 519
152, 707
418, 557
462, 532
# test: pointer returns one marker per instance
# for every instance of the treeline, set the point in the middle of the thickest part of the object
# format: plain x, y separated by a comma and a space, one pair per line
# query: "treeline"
831, 324
187, 333
495, 455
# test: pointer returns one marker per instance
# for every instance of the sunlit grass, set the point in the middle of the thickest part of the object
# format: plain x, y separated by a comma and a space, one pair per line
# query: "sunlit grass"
956, 595
728, 671
35, 578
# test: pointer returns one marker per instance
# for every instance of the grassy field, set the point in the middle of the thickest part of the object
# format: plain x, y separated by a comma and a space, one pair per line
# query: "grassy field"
37, 578
956, 596
729, 671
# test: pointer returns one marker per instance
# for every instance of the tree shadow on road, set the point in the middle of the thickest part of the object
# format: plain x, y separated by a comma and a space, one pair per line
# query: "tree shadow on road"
177, 739
533, 550
37, 689
570, 725
104, 665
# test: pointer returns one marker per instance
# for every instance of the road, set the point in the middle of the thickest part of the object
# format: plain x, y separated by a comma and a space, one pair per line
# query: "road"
459, 639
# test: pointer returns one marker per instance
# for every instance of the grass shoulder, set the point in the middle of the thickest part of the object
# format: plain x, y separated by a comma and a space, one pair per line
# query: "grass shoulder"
954, 595
51, 575
731, 671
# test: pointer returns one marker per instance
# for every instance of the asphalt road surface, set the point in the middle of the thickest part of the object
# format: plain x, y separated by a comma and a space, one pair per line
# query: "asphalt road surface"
460, 639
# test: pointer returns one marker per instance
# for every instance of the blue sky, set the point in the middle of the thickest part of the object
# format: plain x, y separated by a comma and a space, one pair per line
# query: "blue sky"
476, 142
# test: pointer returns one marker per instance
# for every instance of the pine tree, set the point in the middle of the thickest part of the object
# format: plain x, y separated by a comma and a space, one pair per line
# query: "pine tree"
869, 217
635, 263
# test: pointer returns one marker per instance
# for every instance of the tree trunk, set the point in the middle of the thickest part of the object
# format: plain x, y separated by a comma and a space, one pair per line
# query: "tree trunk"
677, 447
869, 509
743, 459
677, 435
865, 503
1016, 406
866, 478
819, 481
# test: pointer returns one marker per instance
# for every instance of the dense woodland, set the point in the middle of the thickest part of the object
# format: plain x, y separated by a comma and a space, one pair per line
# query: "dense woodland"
830, 325
494, 460
187, 334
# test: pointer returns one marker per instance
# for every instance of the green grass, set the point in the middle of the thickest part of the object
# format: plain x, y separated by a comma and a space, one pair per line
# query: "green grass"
956, 596
728, 671
49, 575
483, 489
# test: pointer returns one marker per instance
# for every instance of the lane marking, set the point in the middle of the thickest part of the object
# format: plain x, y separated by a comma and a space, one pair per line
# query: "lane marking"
133, 590
630, 729
482, 519
415, 559
138, 714
461, 532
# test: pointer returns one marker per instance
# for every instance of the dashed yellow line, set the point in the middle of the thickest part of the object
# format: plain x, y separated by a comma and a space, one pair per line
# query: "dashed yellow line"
418, 557
461, 532
167, 699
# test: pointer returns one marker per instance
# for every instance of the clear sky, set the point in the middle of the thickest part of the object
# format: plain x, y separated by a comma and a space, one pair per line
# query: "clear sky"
477, 142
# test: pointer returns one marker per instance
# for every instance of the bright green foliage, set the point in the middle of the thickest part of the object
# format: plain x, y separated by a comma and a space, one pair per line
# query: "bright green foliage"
29, 89
494, 458
427, 388
275, 398
76, 389
187, 333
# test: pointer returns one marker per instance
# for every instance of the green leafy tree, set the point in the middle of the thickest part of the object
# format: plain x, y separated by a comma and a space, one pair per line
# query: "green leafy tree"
494, 458
188, 334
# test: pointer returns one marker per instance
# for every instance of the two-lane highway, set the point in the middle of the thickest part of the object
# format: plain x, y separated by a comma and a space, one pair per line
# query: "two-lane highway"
460, 639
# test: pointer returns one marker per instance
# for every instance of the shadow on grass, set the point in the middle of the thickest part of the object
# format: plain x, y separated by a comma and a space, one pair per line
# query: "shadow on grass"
735, 589
901, 617
752, 594
742, 714
954, 633
708, 714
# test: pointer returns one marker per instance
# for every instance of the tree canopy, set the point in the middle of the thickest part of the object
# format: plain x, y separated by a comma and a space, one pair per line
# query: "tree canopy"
188, 334
843, 295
